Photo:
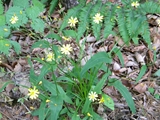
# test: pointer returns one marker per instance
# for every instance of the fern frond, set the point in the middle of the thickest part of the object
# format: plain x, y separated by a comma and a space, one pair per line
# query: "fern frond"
74, 12
109, 21
84, 20
146, 33
1, 7
150, 7
122, 25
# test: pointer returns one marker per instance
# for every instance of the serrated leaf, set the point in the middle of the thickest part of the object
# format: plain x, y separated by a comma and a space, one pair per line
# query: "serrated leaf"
142, 72
1, 7
84, 20
16, 46
5, 46
108, 101
33, 12
21, 3
38, 4
53, 4
38, 25
101, 57
157, 73
19, 13
124, 92
4, 31
70, 33
41, 44
2, 20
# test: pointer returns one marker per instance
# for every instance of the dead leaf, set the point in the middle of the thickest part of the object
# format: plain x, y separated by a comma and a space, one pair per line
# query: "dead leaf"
138, 48
22, 89
141, 87
140, 58
17, 67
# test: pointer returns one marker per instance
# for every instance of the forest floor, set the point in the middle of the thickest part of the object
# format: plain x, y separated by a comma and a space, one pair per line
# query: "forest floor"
146, 93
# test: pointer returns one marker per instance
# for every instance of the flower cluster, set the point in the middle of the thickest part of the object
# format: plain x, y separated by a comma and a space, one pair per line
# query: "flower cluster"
97, 18
14, 19
135, 4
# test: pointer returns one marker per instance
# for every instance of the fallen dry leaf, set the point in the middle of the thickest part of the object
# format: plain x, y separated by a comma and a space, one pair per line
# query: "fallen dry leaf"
141, 87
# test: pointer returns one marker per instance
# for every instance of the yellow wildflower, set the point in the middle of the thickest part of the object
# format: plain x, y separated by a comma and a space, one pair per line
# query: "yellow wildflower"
135, 4
33, 93
72, 21
66, 49
93, 96
47, 101
101, 100
66, 38
14, 19
98, 18
32, 108
50, 57
88, 114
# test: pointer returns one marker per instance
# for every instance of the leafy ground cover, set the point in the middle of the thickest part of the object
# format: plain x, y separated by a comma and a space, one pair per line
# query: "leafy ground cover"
60, 66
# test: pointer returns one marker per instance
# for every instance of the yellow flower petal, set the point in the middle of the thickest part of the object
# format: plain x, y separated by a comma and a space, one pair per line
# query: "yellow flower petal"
98, 18
66, 49
33, 93
72, 21
92, 96
14, 19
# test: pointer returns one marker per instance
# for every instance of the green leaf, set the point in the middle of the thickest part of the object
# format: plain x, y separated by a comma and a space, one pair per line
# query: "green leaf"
142, 72
124, 92
151, 90
53, 4
1, 7
33, 12
54, 36
17, 46
101, 57
1, 116
86, 105
21, 3
84, 20
62, 78
5, 84
108, 101
4, 31
70, 33
41, 44
118, 52
18, 12
5, 46
2, 20
38, 25
157, 73
55, 107
38, 4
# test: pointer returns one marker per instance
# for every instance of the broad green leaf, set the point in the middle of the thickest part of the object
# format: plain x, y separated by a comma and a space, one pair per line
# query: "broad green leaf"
53, 4
54, 36
101, 57
124, 92
142, 72
157, 73
38, 25
1, 116
21, 3
62, 78
5, 46
38, 4
33, 12
108, 101
70, 33
16, 46
1, 7
41, 44
55, 106
101, 83
86, 105
18, 12
2, 20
